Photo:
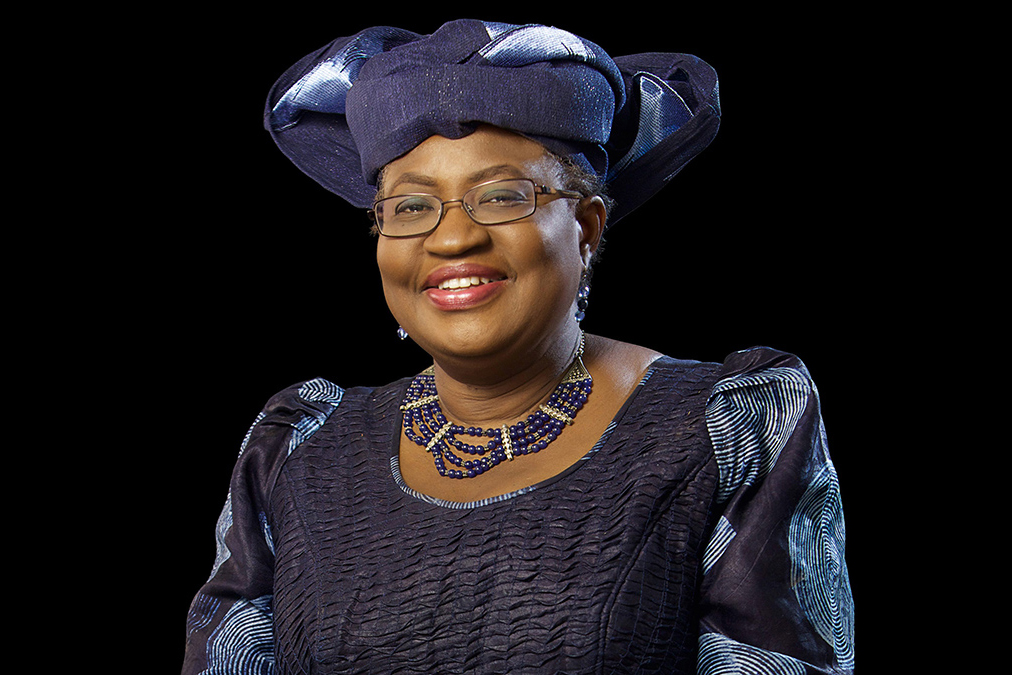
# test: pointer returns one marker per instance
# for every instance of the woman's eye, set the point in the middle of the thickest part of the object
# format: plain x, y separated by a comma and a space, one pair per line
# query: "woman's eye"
412, 207
503, 198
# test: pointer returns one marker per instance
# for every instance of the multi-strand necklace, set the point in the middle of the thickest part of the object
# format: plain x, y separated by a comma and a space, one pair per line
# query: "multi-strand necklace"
460, 447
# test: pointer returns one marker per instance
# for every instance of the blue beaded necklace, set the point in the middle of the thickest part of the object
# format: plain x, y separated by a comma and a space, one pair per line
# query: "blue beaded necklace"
425, 424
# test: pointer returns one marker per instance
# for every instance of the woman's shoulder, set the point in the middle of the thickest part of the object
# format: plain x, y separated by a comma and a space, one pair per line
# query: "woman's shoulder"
758, 359
752, 366
289, 417
302, 406
294, 414
761, 377
626, 362
305, 396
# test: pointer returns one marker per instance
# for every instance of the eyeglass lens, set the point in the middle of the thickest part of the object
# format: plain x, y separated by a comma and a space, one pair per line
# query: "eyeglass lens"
488, 204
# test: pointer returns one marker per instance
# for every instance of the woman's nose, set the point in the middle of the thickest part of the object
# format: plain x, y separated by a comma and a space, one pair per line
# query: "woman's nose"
456, 232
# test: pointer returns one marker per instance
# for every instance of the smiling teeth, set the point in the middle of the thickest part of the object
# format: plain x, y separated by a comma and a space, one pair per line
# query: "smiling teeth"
463, 282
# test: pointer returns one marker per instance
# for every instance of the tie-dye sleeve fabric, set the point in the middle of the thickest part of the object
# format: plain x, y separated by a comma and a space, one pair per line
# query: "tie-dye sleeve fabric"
229, 628
776, 596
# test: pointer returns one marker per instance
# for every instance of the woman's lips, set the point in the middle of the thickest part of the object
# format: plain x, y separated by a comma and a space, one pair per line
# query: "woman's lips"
463, 286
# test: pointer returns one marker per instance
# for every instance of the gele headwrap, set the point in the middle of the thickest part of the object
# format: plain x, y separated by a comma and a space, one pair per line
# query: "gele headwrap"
346, 110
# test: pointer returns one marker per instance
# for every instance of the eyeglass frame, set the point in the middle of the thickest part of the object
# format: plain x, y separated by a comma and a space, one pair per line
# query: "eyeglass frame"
538, 190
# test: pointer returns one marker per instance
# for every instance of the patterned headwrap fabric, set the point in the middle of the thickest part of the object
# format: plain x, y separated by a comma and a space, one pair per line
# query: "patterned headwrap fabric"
345, 111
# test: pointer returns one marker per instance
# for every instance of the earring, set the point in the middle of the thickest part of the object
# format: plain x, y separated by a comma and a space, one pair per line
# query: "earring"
401, 333
582, 296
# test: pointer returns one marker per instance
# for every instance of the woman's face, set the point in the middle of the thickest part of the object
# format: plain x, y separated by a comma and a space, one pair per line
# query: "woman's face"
521, 277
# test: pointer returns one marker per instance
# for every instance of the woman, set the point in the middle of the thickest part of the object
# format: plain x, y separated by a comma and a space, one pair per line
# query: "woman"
540, 500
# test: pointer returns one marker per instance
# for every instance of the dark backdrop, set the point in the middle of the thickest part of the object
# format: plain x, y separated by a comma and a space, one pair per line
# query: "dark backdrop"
239, 276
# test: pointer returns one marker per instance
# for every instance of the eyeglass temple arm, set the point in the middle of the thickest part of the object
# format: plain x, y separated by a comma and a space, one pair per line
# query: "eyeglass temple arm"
545, 190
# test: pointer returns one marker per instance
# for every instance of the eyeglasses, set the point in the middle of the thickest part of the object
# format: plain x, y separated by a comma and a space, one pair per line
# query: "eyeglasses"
492, 203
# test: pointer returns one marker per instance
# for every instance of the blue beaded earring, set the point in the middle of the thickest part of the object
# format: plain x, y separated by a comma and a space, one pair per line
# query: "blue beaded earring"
401, 333
582, 296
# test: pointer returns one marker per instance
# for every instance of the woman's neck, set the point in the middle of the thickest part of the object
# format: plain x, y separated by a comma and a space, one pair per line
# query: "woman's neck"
497, 391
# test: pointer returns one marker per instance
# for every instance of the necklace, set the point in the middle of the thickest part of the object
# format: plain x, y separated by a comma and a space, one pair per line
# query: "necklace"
425, 425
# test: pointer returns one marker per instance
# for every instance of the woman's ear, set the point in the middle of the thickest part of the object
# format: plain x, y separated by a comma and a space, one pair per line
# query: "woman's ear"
591, 214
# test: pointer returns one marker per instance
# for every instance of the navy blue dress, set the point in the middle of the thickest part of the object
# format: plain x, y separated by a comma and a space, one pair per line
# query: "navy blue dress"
703, 533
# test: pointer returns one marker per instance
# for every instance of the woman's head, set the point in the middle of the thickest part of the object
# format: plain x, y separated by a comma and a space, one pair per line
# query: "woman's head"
474, 101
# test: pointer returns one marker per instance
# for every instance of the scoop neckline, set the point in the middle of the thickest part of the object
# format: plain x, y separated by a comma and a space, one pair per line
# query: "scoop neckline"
395, 470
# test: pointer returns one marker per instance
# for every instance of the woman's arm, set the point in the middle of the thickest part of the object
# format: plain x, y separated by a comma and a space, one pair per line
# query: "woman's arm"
229, 629
776, 595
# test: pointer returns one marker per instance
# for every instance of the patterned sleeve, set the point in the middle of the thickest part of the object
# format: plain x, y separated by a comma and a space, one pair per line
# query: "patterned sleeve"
229, 628
776, 597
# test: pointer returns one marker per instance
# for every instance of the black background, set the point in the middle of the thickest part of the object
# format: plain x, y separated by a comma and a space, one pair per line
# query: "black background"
229, 275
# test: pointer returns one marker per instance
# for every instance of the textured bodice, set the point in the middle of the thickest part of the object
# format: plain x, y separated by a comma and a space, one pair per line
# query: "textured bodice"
594, 570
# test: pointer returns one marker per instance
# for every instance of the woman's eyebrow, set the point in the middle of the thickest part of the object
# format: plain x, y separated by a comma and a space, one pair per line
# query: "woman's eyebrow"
425, 180
494, 172
414, 179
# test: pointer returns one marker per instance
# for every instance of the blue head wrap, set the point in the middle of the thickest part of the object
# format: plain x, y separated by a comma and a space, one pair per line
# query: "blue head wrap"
345, 111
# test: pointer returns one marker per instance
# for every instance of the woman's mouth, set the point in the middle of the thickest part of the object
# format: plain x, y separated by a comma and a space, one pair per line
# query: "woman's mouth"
461, 289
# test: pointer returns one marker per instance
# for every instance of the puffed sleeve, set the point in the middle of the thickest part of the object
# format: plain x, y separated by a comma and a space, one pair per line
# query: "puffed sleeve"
776, 597
229, 628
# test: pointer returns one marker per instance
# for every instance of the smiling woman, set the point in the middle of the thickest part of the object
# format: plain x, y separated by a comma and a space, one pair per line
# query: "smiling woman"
539, 500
